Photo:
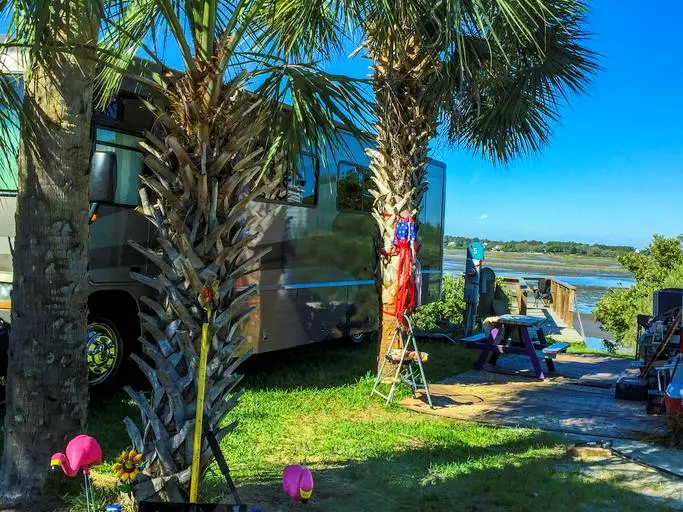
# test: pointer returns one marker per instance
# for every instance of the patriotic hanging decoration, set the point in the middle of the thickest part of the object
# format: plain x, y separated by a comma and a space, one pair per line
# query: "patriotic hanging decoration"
405, 246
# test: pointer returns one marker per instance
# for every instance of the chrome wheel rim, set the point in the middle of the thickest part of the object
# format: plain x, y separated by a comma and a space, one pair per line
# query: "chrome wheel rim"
101, 352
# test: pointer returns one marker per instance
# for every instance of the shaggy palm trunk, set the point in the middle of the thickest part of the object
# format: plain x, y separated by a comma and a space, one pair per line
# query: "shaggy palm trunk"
201, 181
406, 124
47, 387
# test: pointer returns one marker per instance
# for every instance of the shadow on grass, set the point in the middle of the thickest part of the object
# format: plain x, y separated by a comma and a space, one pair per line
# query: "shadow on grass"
523, 474
339, 362
319, 366
105, 420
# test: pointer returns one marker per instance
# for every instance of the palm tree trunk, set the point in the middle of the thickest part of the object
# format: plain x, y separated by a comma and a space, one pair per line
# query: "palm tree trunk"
198, 203
47, 387
406, 124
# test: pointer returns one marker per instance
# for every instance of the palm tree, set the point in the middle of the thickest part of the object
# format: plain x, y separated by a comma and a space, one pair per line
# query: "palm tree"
47, 390
492, 73
222, 139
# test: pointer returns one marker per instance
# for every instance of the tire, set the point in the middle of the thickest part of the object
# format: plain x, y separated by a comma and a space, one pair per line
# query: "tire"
104, 351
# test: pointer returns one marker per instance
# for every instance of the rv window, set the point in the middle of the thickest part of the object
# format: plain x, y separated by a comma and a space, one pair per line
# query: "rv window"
111, 110
353, 188
129, 163
9, 133
302, 187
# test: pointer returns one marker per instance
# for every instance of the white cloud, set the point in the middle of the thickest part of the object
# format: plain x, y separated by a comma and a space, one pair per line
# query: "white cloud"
484, 216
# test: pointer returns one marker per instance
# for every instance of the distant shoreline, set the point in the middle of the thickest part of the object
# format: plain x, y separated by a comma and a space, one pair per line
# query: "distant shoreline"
542, 262
567, 247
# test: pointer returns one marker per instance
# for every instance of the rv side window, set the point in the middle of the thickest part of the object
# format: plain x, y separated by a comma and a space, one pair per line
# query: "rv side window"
353, 188
129, 163
300, 188
9, 136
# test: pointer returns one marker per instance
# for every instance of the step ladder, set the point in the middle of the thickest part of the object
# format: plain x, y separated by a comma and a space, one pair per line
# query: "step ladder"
408, 360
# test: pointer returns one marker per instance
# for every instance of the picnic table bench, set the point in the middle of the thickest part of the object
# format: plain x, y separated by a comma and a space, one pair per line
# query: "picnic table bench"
498, 341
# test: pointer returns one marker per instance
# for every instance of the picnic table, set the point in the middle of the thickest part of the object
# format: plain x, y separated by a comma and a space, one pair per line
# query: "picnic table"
499, 340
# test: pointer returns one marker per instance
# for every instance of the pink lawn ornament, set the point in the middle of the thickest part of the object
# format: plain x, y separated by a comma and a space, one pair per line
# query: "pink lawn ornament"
81, 453
297, 482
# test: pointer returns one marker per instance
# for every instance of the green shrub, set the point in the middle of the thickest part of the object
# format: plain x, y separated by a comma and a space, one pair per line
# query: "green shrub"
660, 266
449, 310
503, 292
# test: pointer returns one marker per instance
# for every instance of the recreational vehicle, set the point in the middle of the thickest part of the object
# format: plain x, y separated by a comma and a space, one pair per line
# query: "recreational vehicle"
316, 282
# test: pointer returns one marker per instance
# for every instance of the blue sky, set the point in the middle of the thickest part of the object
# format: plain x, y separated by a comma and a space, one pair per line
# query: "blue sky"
613, 171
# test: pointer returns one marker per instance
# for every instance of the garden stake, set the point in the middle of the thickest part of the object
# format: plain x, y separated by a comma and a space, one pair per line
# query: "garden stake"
206, 299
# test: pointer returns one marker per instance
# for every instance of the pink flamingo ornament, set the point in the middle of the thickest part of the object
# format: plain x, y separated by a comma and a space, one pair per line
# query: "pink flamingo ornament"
297, 482
81, 453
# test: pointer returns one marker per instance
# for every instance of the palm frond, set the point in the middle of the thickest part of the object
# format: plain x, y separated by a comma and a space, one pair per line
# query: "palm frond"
302, 28
28, 39
507, 99
126, 26
315, 105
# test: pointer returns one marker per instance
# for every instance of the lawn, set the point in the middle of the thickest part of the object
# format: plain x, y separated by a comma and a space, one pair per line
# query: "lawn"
581, 348
311, 405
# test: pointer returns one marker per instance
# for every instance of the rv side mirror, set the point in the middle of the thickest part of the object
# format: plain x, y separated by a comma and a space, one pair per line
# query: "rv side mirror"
103, 177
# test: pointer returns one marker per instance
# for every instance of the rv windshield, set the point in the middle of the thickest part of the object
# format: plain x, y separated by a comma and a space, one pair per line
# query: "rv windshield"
9, 135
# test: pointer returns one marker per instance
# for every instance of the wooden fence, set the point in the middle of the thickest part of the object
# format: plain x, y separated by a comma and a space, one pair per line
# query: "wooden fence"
563, 296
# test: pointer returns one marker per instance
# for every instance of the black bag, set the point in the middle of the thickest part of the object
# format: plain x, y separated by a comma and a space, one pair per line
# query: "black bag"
157, 506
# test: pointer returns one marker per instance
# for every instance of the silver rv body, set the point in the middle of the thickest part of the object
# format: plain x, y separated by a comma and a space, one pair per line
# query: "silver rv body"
316, 281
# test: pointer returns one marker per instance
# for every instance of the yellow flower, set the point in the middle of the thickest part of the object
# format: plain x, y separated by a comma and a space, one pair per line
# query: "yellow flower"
127, 466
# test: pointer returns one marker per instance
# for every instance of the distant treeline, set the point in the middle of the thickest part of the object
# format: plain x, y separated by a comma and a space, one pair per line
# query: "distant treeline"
607, 251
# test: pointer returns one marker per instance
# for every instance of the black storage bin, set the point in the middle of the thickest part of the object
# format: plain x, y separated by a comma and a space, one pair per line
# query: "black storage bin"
631, 388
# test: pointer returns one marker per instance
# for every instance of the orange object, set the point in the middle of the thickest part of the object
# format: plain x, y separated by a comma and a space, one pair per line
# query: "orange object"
410, 356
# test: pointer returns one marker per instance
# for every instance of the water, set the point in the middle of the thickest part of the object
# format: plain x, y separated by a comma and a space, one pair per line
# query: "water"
591, 284
601, 345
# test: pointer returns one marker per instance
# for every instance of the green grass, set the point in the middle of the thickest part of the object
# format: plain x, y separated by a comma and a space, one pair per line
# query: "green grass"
311, 405
580, 348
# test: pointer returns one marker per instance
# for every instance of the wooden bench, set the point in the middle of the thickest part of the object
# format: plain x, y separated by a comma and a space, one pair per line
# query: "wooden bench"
555, 348
432, 335
475, 338
550, 352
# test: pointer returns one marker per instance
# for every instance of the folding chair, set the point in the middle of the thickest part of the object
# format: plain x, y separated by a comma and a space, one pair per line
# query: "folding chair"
543, 293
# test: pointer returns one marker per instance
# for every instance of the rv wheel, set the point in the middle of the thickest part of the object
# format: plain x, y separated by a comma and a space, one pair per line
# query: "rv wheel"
103, 351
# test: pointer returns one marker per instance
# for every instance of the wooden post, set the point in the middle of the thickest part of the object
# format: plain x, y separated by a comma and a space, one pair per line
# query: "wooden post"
522, 302
572, 302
